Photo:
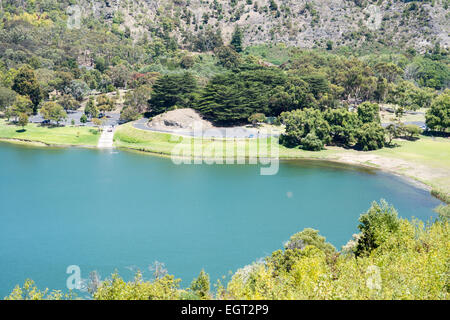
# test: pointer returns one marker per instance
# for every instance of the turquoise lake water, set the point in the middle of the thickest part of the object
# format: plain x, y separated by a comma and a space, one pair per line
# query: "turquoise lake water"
107, 211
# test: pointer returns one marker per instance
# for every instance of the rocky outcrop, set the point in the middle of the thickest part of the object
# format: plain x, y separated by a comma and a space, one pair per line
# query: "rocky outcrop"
178, 119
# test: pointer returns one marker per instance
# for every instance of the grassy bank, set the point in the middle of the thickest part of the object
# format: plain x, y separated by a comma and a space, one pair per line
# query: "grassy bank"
126, 136
70, 136
432, 153
426, 160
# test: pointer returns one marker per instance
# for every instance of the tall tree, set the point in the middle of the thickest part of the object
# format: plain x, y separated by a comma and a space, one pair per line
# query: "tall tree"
7, 98
25, 83
173, 90
438, 116
237, 39
53, 112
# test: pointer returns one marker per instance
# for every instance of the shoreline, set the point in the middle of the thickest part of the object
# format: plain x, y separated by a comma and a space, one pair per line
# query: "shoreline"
407, 178
411, 179
36, 143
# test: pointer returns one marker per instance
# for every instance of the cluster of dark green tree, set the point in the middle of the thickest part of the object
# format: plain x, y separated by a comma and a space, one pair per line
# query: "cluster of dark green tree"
312, 128
390, 258
232, 97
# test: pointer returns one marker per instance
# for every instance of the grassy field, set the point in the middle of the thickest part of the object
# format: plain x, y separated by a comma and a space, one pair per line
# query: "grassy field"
127, 136
275, 54
434, 153
71, 136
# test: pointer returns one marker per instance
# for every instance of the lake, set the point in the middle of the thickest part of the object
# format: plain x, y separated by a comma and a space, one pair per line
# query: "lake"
116, 210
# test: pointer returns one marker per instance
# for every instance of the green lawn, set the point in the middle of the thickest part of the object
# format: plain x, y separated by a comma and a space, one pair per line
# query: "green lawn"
434, 152
275, 54
431, 152
77, 136
127, 136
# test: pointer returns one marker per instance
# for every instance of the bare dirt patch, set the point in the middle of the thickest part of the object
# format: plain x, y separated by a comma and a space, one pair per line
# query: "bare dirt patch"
178, 119
420, 173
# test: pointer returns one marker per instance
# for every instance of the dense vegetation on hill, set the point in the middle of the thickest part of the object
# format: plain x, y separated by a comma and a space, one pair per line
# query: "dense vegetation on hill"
50, 51
391, 258
64, 51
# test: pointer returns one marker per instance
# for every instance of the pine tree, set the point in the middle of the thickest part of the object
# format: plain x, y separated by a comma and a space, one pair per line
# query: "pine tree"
236, 39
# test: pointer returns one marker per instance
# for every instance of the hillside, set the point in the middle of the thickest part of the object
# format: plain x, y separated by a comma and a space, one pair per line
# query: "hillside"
302, 23
305, 23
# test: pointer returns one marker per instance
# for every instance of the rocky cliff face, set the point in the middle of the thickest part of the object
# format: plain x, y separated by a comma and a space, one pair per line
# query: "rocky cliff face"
305, 23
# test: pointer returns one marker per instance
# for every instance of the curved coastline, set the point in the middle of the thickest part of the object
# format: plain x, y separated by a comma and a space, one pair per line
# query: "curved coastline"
359, 166
326, 160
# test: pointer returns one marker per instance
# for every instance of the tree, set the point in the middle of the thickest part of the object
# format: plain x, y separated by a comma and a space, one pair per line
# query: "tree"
68, 102
78, 89
299, 123
201, 285
391, 133
138, 99
310, 237
7, 98
231, 98
129, 114
97, 122
311, 142
429, 73
207, 39
228, 58
388, 70
344, 125
237, 39
63, 80
318, 84
164, 288
412, 130
438, 116
371, 136
22, 105
100, 64
23, 120
257, 118
83, 118
187, 62
369, 112
25, 83
273, 5
52, 111
171, 90
105, 103
120, 75
376, 225
91, 110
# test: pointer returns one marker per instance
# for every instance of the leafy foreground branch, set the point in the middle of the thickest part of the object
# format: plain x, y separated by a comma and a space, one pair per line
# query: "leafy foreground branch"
391, 258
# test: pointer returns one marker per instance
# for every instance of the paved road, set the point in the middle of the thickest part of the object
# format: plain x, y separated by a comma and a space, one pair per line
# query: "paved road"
106, 139
112, 119
421, 124
218, 132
